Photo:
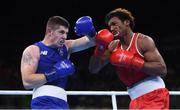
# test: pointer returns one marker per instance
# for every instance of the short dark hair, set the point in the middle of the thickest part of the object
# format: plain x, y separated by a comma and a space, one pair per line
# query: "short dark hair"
55, 21
122, 14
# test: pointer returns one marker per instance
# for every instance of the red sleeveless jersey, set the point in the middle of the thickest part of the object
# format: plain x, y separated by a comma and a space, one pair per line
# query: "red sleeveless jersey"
128, 75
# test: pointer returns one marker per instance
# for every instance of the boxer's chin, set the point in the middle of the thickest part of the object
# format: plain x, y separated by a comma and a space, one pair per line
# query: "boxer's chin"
61, 43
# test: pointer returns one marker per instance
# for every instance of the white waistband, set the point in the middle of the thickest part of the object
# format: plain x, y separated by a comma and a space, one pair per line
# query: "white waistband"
147, 85
50, 90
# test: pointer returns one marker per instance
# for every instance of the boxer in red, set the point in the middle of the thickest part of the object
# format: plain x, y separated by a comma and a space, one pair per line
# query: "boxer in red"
138, 63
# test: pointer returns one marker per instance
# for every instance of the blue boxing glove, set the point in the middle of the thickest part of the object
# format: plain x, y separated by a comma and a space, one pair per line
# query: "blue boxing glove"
84, 26
61, 69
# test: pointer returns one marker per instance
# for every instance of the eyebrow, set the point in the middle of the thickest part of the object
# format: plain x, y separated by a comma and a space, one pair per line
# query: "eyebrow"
112, 23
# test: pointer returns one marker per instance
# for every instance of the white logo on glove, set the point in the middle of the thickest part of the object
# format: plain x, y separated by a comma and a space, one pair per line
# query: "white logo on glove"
122, 57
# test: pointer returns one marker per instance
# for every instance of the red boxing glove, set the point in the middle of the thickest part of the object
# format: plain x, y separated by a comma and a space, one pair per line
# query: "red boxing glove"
103, 38
126, 59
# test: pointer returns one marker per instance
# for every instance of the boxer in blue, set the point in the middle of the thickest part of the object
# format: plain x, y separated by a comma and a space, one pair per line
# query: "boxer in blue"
45, 65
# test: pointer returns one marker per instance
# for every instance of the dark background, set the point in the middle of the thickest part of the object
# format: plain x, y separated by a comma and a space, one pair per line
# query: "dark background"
23, 23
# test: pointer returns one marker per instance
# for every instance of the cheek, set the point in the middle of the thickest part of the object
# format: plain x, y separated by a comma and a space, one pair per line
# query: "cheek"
56, 34
53, 35
59, 38
119, 28
122, 27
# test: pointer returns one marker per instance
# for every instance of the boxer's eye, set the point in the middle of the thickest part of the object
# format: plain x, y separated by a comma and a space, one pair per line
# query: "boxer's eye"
63, 32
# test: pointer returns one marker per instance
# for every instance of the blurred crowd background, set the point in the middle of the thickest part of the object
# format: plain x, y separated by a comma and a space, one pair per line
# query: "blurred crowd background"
23, 23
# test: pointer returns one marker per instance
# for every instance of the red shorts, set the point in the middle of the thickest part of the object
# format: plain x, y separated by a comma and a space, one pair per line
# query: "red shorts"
157, 99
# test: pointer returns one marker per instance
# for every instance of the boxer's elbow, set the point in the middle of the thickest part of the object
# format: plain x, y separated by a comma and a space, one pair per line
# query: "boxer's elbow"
27, 82
163, 70
27, 85
155, 69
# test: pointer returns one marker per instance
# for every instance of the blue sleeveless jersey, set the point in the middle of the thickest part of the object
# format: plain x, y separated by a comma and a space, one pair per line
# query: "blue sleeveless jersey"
48, 57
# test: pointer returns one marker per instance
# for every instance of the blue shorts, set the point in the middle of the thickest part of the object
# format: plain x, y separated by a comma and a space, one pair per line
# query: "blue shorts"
48, 102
